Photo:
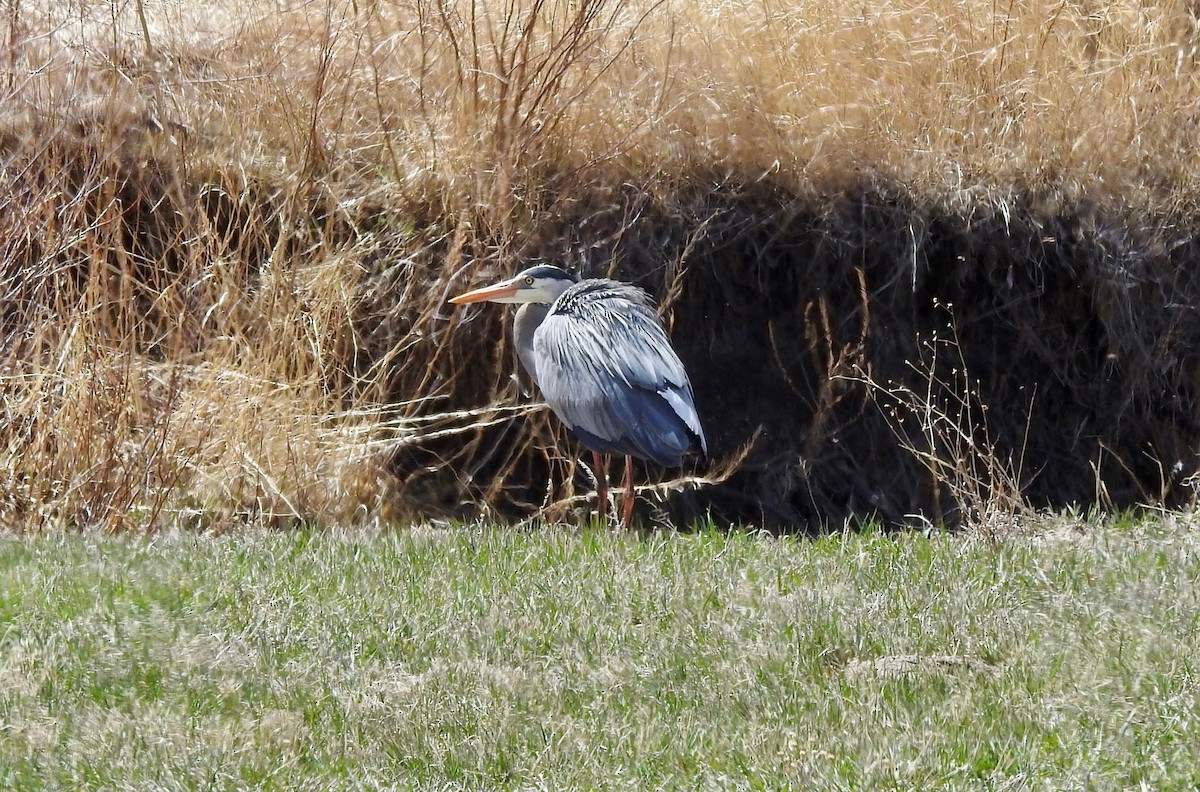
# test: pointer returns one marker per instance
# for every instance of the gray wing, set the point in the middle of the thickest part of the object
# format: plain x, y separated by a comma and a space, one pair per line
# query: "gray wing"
607, 369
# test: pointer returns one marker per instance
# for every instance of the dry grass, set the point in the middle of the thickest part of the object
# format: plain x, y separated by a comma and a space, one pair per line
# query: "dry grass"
226, 231
944, 426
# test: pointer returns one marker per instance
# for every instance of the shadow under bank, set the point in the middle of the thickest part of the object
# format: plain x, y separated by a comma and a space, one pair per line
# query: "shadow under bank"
875, 356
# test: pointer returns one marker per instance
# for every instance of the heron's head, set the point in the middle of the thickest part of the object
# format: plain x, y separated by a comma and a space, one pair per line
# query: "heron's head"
540, 284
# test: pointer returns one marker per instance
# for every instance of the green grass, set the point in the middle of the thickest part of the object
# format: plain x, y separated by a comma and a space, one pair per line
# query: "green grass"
484, 658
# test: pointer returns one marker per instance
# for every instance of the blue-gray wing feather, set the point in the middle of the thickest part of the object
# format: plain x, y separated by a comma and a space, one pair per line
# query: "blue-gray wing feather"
607, 369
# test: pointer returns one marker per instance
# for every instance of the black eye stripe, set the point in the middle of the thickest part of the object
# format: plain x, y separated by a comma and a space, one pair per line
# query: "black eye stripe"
547, 272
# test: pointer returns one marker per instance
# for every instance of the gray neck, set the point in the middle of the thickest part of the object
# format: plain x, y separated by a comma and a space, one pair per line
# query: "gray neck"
528, 319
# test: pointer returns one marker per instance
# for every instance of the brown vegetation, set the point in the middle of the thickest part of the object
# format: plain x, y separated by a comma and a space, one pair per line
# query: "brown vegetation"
921, 258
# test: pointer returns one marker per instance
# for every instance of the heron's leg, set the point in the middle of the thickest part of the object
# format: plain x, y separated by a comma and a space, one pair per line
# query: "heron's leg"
601, 486
629, 494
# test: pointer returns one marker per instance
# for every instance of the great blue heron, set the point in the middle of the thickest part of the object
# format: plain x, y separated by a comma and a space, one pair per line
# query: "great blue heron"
598, 352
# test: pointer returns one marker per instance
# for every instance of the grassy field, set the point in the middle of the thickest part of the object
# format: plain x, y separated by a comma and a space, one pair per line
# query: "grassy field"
227, 234
483, 658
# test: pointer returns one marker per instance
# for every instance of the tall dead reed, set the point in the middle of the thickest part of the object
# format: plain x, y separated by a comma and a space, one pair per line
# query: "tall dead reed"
227, 231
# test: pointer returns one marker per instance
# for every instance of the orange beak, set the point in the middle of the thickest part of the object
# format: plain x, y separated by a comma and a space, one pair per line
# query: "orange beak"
502, 289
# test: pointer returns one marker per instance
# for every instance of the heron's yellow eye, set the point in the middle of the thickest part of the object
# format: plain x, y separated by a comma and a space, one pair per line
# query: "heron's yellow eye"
528, 280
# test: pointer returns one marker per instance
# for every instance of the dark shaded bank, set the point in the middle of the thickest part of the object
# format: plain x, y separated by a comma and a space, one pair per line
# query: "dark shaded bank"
880, 356
866, 353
